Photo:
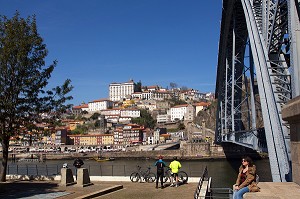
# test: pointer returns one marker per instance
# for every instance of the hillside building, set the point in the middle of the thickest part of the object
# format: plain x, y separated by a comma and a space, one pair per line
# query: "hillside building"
120, 91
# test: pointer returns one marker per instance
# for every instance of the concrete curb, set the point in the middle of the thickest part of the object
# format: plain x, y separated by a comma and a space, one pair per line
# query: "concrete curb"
101, 192
92, 178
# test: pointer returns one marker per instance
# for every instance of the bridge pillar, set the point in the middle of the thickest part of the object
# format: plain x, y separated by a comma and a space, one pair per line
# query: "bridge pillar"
291, 113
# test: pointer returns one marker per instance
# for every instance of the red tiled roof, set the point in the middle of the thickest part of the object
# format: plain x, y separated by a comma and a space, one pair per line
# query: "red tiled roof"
81, 106
201, 104
181, 105
100, 100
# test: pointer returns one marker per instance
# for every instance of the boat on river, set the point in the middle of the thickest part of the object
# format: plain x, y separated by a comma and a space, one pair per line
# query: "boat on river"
102, 159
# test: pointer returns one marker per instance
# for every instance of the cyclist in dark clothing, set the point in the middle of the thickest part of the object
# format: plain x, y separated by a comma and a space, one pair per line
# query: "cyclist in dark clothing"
160, 164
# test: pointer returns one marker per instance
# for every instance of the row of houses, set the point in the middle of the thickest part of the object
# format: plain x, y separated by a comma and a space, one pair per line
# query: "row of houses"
125, 135
121, 91
129, 94
185, 112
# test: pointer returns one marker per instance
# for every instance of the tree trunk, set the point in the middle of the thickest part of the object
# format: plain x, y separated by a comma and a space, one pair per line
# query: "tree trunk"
5, 145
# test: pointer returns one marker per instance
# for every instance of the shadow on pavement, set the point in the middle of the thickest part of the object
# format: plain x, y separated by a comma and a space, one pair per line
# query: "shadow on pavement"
21, 189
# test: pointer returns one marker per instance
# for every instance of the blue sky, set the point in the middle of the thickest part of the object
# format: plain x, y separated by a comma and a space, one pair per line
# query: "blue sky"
97, 42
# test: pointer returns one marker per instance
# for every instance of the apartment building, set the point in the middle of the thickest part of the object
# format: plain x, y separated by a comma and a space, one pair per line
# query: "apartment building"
76, 110
120, 115
101, 104
120, 91
147, 104
200, 106
161, 95
60, 136
190, 113
129, 134
163, 118
178, 112
131, 112
91, 139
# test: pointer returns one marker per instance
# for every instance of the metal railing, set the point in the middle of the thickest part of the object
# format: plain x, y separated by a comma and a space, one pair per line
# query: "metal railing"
94, 169
199, 186
220, 193
54, 169
211, 193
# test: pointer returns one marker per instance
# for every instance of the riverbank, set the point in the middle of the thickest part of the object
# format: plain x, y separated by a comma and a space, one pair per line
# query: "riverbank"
120, 155
167, 154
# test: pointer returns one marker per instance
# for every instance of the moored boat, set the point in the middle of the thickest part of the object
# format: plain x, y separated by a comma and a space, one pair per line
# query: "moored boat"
102, 159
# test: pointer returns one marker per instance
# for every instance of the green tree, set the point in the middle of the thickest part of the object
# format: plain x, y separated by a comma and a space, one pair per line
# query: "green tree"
23, 81
181, 126
95, 116
145, 119
173, 85
175, 101
138, 87
80, 129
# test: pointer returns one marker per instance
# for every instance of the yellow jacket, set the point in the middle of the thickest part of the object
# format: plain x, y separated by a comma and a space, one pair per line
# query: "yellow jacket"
175, 166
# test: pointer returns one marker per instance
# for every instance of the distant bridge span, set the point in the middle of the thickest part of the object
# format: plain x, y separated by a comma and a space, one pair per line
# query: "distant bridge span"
258, 72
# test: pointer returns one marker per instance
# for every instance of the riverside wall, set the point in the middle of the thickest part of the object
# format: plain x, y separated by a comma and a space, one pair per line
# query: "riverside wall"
186, 151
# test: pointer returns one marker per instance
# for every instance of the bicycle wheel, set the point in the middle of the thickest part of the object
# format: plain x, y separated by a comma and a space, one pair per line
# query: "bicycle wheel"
135, 177
167, 177
182, 176
151, 177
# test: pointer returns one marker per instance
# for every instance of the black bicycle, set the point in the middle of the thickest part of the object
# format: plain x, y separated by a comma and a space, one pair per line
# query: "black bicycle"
140, 175
182, 176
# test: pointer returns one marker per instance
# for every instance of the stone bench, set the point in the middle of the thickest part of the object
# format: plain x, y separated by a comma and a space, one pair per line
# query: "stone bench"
275, 190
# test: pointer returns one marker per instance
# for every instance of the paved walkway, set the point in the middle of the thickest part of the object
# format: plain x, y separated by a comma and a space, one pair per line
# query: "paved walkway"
148, 191
122, 190
275, 190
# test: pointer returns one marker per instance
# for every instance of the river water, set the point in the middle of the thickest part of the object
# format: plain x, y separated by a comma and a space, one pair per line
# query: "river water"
222, 171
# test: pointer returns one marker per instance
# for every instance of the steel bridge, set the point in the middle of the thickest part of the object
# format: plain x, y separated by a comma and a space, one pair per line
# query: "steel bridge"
258, 73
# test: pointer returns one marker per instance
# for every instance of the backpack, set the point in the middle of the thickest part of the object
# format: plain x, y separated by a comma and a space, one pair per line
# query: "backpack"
160, 167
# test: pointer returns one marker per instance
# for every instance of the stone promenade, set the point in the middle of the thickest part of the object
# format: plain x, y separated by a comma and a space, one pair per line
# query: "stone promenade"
129, 190
105, 190
275, 190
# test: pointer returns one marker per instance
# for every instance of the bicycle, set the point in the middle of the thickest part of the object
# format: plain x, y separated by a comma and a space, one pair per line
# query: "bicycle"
182, 176
139, 175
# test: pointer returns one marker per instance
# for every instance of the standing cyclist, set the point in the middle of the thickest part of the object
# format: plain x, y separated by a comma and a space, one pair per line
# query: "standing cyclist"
175, 166
160, 164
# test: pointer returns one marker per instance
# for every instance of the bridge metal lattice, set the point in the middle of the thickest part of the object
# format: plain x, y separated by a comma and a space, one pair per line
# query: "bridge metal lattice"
258, 72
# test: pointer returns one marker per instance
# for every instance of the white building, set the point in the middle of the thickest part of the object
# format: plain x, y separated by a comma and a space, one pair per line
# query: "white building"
119, 91
163, 118
79, 109
130, 113
118, 137
98, 105
178, 112
156, 136
200, 106
114, 111
120, 115
152, 95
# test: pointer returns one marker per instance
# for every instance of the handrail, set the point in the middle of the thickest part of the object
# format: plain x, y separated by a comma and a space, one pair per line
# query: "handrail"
199, 186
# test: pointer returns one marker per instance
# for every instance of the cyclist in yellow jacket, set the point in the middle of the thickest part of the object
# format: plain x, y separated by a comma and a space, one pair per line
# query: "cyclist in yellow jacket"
175, 166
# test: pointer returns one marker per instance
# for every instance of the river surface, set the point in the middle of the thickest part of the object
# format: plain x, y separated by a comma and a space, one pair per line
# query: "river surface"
222, 171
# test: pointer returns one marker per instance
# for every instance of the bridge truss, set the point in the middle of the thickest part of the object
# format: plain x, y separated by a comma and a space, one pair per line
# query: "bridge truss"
258, 72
